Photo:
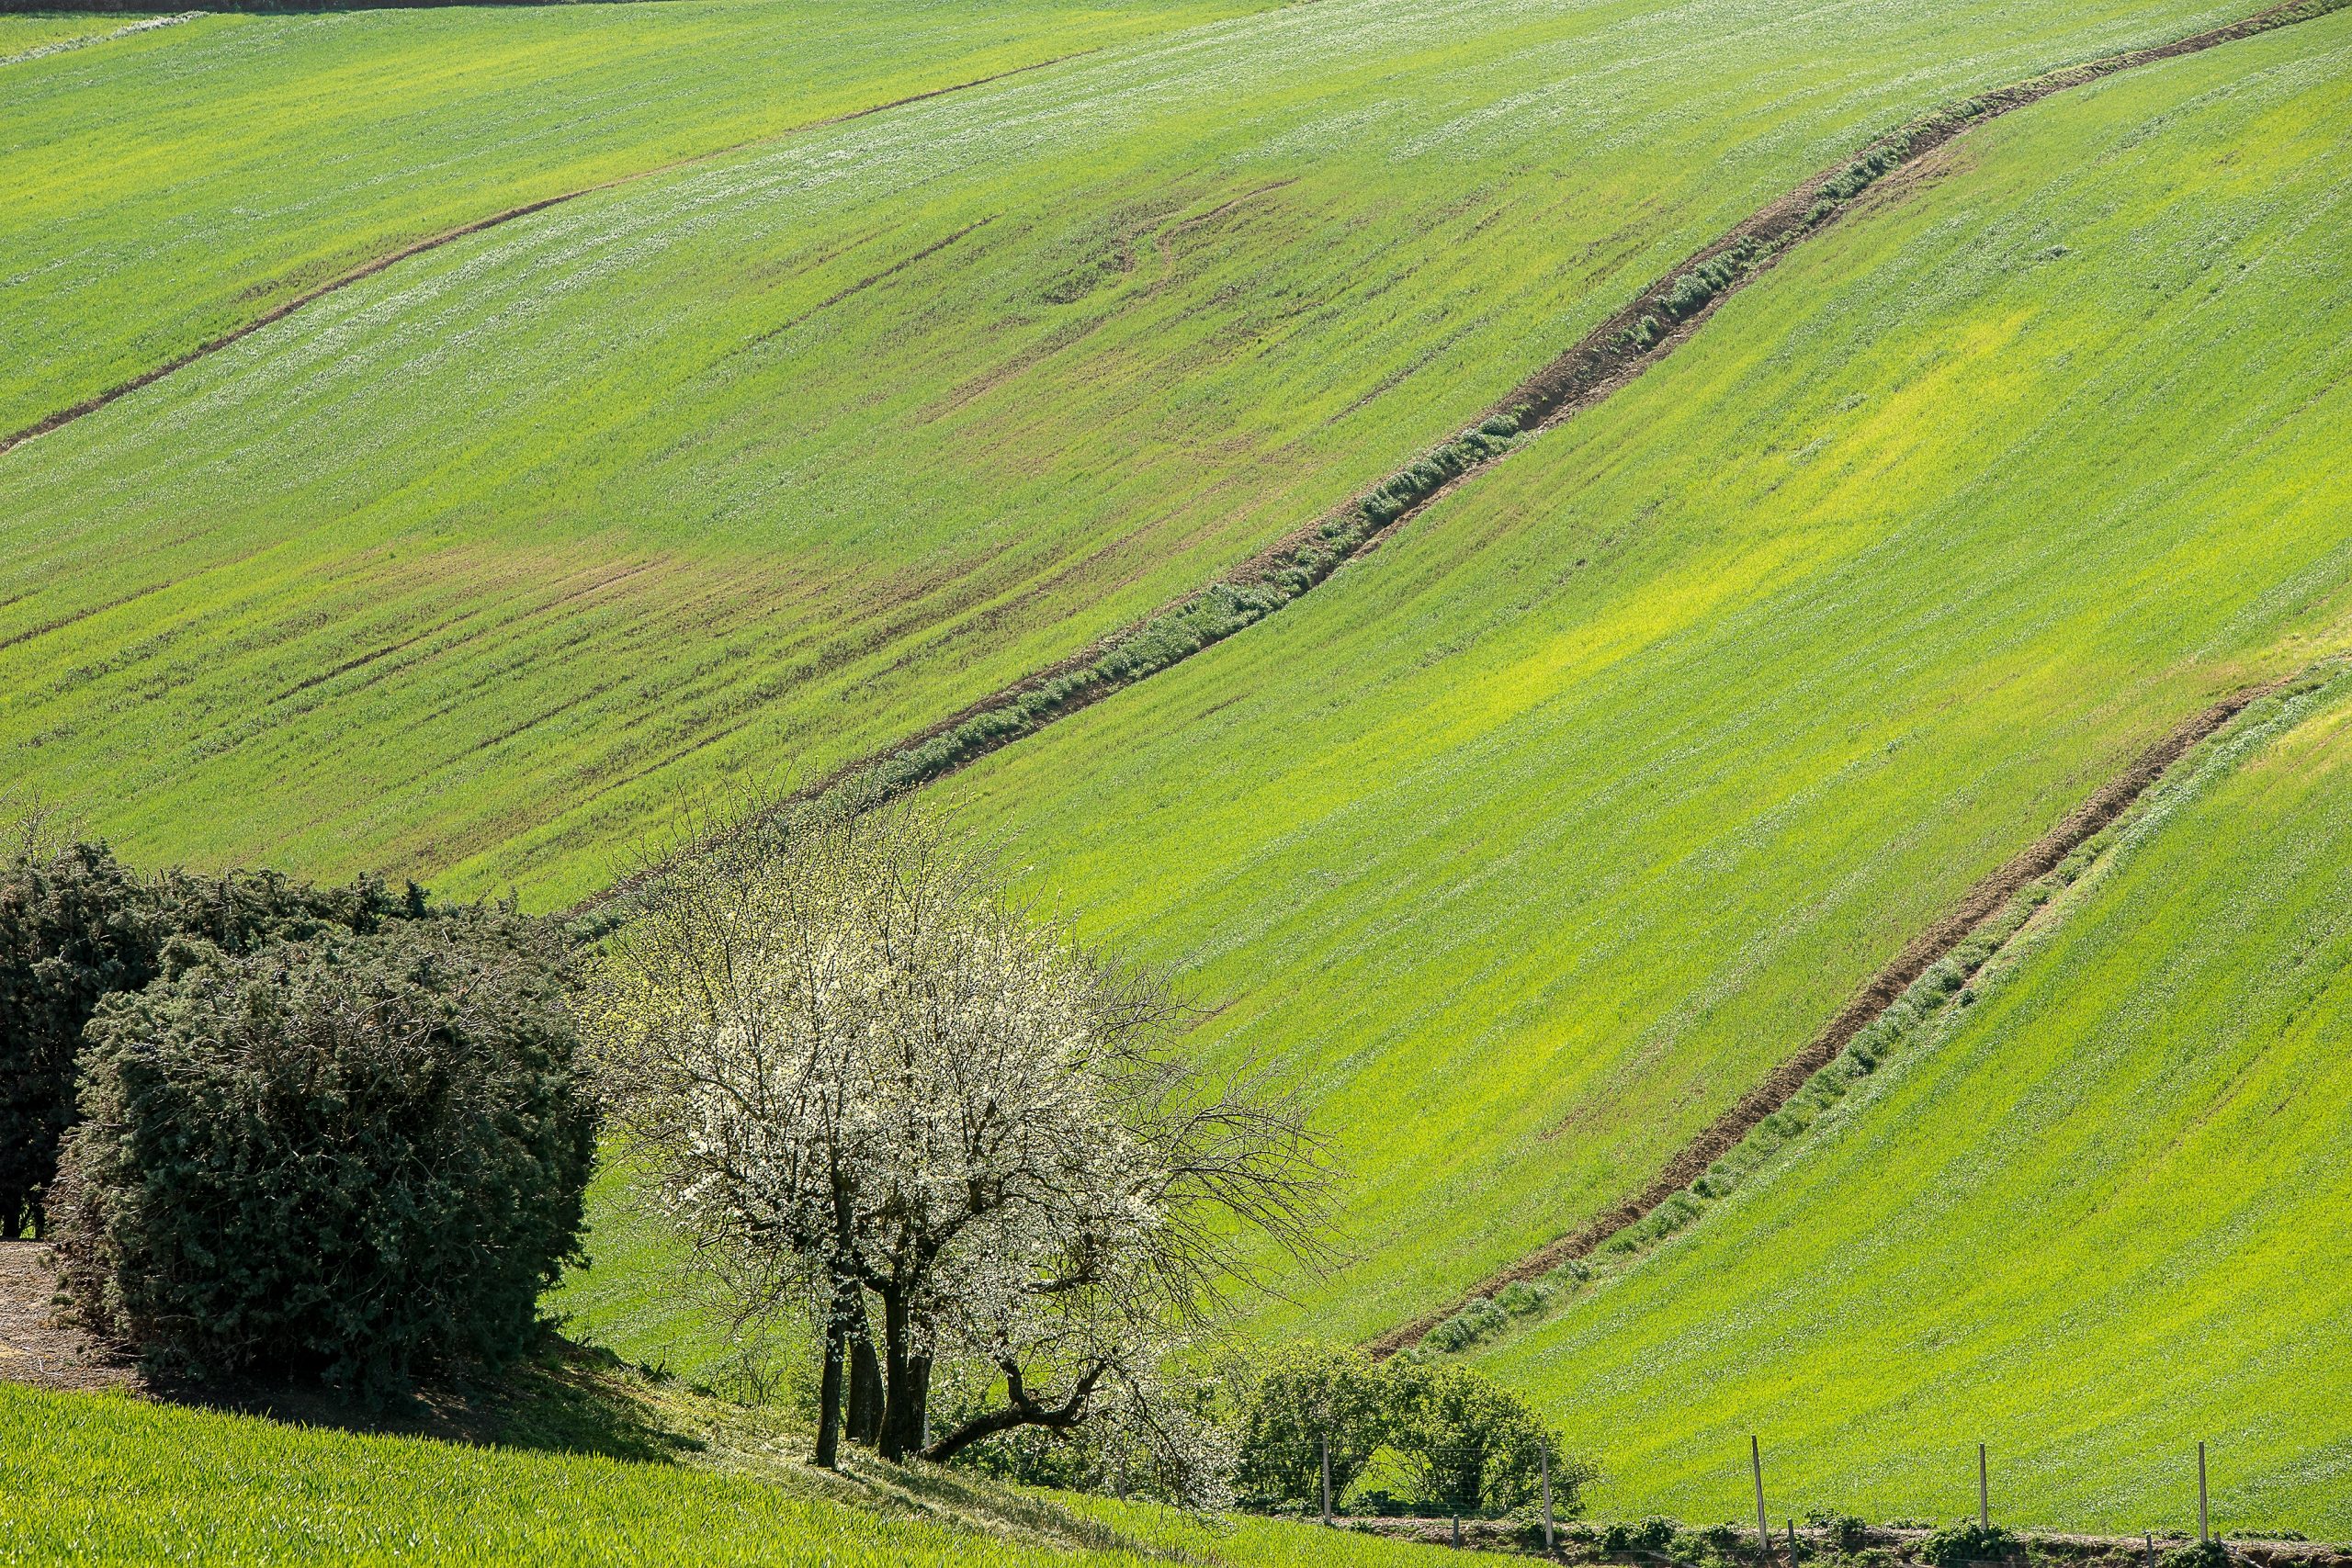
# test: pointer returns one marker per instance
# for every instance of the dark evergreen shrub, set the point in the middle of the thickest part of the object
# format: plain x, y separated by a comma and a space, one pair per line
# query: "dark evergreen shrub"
73, 926
357, 1157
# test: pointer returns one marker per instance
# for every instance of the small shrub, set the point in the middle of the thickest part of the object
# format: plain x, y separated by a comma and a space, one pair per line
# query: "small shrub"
1844, 1531
356, 1158
2198, 1554
1302, 1396
1968, 1541
1722, 1541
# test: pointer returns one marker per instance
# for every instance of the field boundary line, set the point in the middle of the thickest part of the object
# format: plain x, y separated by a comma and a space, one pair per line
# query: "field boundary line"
1659, 319
1986, 899
368, 269
65, 45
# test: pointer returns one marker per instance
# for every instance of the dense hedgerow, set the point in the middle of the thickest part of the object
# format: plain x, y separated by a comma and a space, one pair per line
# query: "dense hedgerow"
76, 926
356, 1157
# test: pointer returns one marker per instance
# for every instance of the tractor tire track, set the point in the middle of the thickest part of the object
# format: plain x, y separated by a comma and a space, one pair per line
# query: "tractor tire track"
341, 281
1878, 994
1659, 321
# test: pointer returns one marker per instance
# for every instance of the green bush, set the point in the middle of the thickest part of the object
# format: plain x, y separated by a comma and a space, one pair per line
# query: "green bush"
353, 1156
1298, 1397
1474, 1446
76, 926
2198, 1554
1969, 1542
73, 926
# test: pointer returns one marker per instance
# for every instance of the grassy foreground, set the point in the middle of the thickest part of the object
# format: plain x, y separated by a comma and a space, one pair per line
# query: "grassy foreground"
2092, 1219
477, 568
107, 1479
1533, 840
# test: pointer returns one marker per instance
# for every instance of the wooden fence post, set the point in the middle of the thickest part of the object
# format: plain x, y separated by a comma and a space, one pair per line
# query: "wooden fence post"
1763, 1528
1547, 1498
2203, 1531
1323, 1448
1983, 1494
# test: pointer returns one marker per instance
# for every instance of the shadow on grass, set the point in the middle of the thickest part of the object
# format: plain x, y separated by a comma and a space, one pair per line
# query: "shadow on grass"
569, 1399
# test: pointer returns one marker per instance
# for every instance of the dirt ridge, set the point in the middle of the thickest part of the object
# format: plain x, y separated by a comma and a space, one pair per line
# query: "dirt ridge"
1876, 995
368, 269
1606, 358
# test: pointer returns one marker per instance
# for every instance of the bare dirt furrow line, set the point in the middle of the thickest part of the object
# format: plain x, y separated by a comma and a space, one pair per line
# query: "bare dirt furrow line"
1878, 994
277, 314
1659, 321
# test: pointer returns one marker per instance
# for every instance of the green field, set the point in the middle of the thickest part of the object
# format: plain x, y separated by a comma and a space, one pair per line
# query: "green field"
478, 567
1524, 845
2095, 1218
1533, 840
103, 1479
178, 184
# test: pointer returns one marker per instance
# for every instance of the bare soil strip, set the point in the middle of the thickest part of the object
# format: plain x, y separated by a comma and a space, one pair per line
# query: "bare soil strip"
1659, 321
1880, 993
435, 242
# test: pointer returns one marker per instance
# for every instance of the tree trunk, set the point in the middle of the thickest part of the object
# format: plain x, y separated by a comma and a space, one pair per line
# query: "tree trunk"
865, 1391
906, 1377
829, 1391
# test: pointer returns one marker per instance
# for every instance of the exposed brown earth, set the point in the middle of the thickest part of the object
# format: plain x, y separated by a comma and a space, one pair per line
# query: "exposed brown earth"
1886, 1546
35, 1346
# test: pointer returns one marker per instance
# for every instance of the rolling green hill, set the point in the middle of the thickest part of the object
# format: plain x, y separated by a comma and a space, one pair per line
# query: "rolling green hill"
1533, 838
2090, 1220
477, 568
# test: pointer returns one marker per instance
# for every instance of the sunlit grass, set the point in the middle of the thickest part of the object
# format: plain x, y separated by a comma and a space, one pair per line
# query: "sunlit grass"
476, 570
2093, 1220
1531, 841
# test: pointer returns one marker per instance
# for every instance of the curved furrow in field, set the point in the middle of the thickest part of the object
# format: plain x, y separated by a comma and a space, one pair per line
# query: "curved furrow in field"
1878, 994
1659, 321
210, 346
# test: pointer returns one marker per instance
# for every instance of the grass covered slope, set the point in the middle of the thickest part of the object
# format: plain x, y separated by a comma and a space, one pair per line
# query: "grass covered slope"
475, 568
105, 1479
2095, 1218
1536, 836
174, 185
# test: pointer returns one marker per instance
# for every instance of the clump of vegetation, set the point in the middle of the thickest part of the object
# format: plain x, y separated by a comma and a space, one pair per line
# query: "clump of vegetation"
1957, 1545
76, 927
1402, 1438
353, 1156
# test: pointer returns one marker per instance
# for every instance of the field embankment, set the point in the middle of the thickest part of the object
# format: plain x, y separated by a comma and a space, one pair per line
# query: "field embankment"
1988, 899
1661, 318
483, 565
1542, 836
2090, 1218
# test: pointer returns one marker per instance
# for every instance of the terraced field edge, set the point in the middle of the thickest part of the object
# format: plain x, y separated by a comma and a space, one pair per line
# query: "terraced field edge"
1659, 321
367, 269
1989, 904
